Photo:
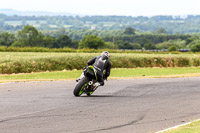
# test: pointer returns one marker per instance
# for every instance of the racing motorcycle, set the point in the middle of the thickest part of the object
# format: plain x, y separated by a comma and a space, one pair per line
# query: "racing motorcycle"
87, 83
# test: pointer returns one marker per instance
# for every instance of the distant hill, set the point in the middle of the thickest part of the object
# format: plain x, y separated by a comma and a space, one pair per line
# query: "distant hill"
11, 12
12, 20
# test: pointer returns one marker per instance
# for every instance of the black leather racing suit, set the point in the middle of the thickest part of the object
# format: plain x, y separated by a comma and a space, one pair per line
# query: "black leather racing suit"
101, 64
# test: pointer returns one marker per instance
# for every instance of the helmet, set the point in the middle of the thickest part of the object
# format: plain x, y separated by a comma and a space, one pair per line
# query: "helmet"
105, 55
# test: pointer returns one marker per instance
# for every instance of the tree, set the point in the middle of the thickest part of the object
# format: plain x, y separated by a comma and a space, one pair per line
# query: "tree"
180, 44
195, 48
127, 45
129, 31
149, 46
194, 45
144, 41
29, 37
49, 41
161, 31
64, 41
91, 41
75, 44
110, 45
164, 45
6, 39
172, 48
136, 45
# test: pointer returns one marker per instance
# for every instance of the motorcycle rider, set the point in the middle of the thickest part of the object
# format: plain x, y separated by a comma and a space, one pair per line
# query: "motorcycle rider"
102, 65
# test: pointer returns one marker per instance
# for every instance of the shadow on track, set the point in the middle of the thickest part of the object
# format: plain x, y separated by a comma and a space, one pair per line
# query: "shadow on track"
103, 96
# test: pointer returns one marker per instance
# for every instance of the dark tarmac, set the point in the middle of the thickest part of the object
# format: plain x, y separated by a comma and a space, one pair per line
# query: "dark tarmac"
121, 106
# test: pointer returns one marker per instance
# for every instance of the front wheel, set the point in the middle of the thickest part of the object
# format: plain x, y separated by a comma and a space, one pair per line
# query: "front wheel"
78, 91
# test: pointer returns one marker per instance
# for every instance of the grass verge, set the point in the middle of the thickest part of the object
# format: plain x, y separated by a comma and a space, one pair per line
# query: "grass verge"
193, 127
115, 74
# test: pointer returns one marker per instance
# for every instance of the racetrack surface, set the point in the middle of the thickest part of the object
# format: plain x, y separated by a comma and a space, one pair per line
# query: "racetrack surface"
121, 106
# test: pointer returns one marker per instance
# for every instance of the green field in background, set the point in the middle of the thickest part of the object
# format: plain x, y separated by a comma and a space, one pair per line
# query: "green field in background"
115, 73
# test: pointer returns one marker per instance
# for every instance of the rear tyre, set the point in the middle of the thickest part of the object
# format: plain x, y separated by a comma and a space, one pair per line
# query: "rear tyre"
89, 93
78, 90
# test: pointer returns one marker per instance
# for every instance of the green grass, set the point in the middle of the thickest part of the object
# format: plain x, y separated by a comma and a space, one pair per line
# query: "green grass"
194, 127
43, 75
115, 73
149, 72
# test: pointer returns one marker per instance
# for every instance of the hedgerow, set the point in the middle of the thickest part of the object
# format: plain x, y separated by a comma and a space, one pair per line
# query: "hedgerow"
27, 62
71, 50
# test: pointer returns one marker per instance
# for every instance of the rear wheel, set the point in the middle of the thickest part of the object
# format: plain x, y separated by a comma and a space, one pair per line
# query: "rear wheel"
78, 91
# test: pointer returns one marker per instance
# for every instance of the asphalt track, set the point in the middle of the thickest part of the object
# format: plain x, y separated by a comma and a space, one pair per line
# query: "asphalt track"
121, 106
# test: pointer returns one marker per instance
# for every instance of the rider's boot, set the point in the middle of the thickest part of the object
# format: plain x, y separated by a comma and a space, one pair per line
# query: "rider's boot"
101, 83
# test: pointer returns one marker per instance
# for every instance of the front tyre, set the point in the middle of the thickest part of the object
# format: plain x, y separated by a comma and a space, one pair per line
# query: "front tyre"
78, 91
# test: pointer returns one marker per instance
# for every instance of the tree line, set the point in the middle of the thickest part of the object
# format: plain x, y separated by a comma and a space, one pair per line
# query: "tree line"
29, 36
129, 38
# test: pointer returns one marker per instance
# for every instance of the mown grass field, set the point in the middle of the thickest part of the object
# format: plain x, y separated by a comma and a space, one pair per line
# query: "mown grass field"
26, 62
121, 73
194, 127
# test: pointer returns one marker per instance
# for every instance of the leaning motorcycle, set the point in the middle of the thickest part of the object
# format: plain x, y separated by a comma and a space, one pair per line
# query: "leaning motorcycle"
87, 83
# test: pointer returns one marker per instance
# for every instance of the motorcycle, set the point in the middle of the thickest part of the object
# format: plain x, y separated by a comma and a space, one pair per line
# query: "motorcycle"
87, 83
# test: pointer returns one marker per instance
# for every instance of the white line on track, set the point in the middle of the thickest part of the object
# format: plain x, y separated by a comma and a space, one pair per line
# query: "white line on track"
176, 126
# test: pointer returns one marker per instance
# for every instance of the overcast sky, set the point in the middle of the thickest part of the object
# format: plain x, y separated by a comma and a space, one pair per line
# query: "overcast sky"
107, 7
